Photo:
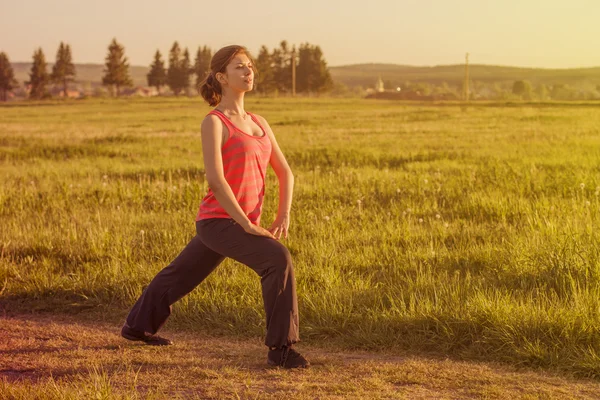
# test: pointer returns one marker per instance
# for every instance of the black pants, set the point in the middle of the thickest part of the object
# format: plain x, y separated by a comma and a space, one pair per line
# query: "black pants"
216, 239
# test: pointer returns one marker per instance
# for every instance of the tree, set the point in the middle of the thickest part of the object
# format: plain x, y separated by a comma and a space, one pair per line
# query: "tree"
312, 74
185, 71
265, 79
173, 73
116, 72
63, 70
157, 76
7, 77
202, 65
522, 89
38, 76
282, 69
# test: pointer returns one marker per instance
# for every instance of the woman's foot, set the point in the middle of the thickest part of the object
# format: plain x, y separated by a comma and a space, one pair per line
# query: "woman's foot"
286, 357
152, 340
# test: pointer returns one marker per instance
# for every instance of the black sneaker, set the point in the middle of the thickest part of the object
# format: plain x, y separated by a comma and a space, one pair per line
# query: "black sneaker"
286, 357
152, 340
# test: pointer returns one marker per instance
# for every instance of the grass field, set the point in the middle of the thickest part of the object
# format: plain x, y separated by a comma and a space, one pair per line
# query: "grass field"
430, 229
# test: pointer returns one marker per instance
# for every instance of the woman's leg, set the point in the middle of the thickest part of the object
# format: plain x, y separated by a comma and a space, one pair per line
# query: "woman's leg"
272, 262
180, 277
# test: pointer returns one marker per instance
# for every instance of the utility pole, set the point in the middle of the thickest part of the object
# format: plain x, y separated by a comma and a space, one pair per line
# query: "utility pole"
466, 84
294, 72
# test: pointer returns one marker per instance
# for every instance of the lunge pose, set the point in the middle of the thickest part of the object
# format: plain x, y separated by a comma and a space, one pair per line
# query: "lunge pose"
237, 147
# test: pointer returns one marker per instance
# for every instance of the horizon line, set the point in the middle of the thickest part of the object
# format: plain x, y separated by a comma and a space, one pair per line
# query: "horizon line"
372, 63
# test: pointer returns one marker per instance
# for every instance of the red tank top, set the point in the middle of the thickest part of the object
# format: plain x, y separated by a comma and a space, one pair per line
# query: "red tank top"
245, 161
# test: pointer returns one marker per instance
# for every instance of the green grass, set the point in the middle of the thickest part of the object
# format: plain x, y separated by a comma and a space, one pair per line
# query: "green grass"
466, 231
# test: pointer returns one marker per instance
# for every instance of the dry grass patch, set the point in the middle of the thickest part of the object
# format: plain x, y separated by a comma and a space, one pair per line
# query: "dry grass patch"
58, 357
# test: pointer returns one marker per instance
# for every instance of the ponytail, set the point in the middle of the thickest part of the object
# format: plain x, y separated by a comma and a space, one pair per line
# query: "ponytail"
210, 90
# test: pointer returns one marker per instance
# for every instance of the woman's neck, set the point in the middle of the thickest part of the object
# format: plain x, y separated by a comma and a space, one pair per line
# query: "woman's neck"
232, 103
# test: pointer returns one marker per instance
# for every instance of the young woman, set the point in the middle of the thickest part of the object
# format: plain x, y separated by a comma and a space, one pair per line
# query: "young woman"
237, 147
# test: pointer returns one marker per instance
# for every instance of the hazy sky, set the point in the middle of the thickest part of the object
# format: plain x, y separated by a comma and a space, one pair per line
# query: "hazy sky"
529, 33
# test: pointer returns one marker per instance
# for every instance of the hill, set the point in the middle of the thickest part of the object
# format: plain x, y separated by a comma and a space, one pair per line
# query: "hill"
367, 74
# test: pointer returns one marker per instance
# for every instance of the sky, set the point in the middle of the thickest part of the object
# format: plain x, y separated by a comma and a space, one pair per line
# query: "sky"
523, 33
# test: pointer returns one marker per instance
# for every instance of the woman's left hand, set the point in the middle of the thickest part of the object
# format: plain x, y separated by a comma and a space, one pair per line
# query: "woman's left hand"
280, 226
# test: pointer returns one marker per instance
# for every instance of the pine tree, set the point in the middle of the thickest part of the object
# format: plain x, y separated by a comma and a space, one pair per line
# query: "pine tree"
324, 81
185, 71
117, 68
282, 69
38, 76
202, 65
265, 79
173, 73
7, 77
63, 70
305, 71
157, 76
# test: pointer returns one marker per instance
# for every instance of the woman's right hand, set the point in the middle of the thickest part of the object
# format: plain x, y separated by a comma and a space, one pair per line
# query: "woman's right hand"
258, 231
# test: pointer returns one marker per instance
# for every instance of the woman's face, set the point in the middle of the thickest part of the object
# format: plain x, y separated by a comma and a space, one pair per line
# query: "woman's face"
239, 74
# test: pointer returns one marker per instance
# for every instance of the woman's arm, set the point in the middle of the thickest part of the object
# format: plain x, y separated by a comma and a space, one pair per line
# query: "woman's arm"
286, 183
211, 133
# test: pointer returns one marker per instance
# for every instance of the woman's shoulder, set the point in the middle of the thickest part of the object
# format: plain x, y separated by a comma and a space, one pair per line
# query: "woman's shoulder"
211, 121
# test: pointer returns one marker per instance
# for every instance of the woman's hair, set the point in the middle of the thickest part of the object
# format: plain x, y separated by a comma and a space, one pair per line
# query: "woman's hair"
210, 88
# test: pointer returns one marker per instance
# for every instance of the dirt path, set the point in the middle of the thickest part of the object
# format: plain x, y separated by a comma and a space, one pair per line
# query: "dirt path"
59, 356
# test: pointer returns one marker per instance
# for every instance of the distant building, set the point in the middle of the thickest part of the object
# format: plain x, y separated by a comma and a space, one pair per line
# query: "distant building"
71, 94
139, 91
379, 88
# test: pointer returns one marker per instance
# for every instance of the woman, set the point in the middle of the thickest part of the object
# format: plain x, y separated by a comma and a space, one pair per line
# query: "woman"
237, 148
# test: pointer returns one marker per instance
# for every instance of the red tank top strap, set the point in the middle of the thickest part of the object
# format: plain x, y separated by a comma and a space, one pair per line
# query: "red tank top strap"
256, 121
225, 120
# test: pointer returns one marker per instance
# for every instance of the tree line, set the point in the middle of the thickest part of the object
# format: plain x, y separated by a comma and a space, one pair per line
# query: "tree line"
63, 72
275, 71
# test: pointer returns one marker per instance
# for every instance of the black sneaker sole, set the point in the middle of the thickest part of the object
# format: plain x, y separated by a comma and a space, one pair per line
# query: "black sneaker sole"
274, 364
146, 341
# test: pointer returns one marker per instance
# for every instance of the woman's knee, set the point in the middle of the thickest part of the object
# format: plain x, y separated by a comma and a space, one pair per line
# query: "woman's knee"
282, 259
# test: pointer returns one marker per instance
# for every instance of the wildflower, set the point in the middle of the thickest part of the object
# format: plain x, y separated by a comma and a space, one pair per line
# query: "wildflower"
446, 224
587, 203
398, 190
438, 216
104, 183
326, 218
582, 186
420, 220
142, 232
